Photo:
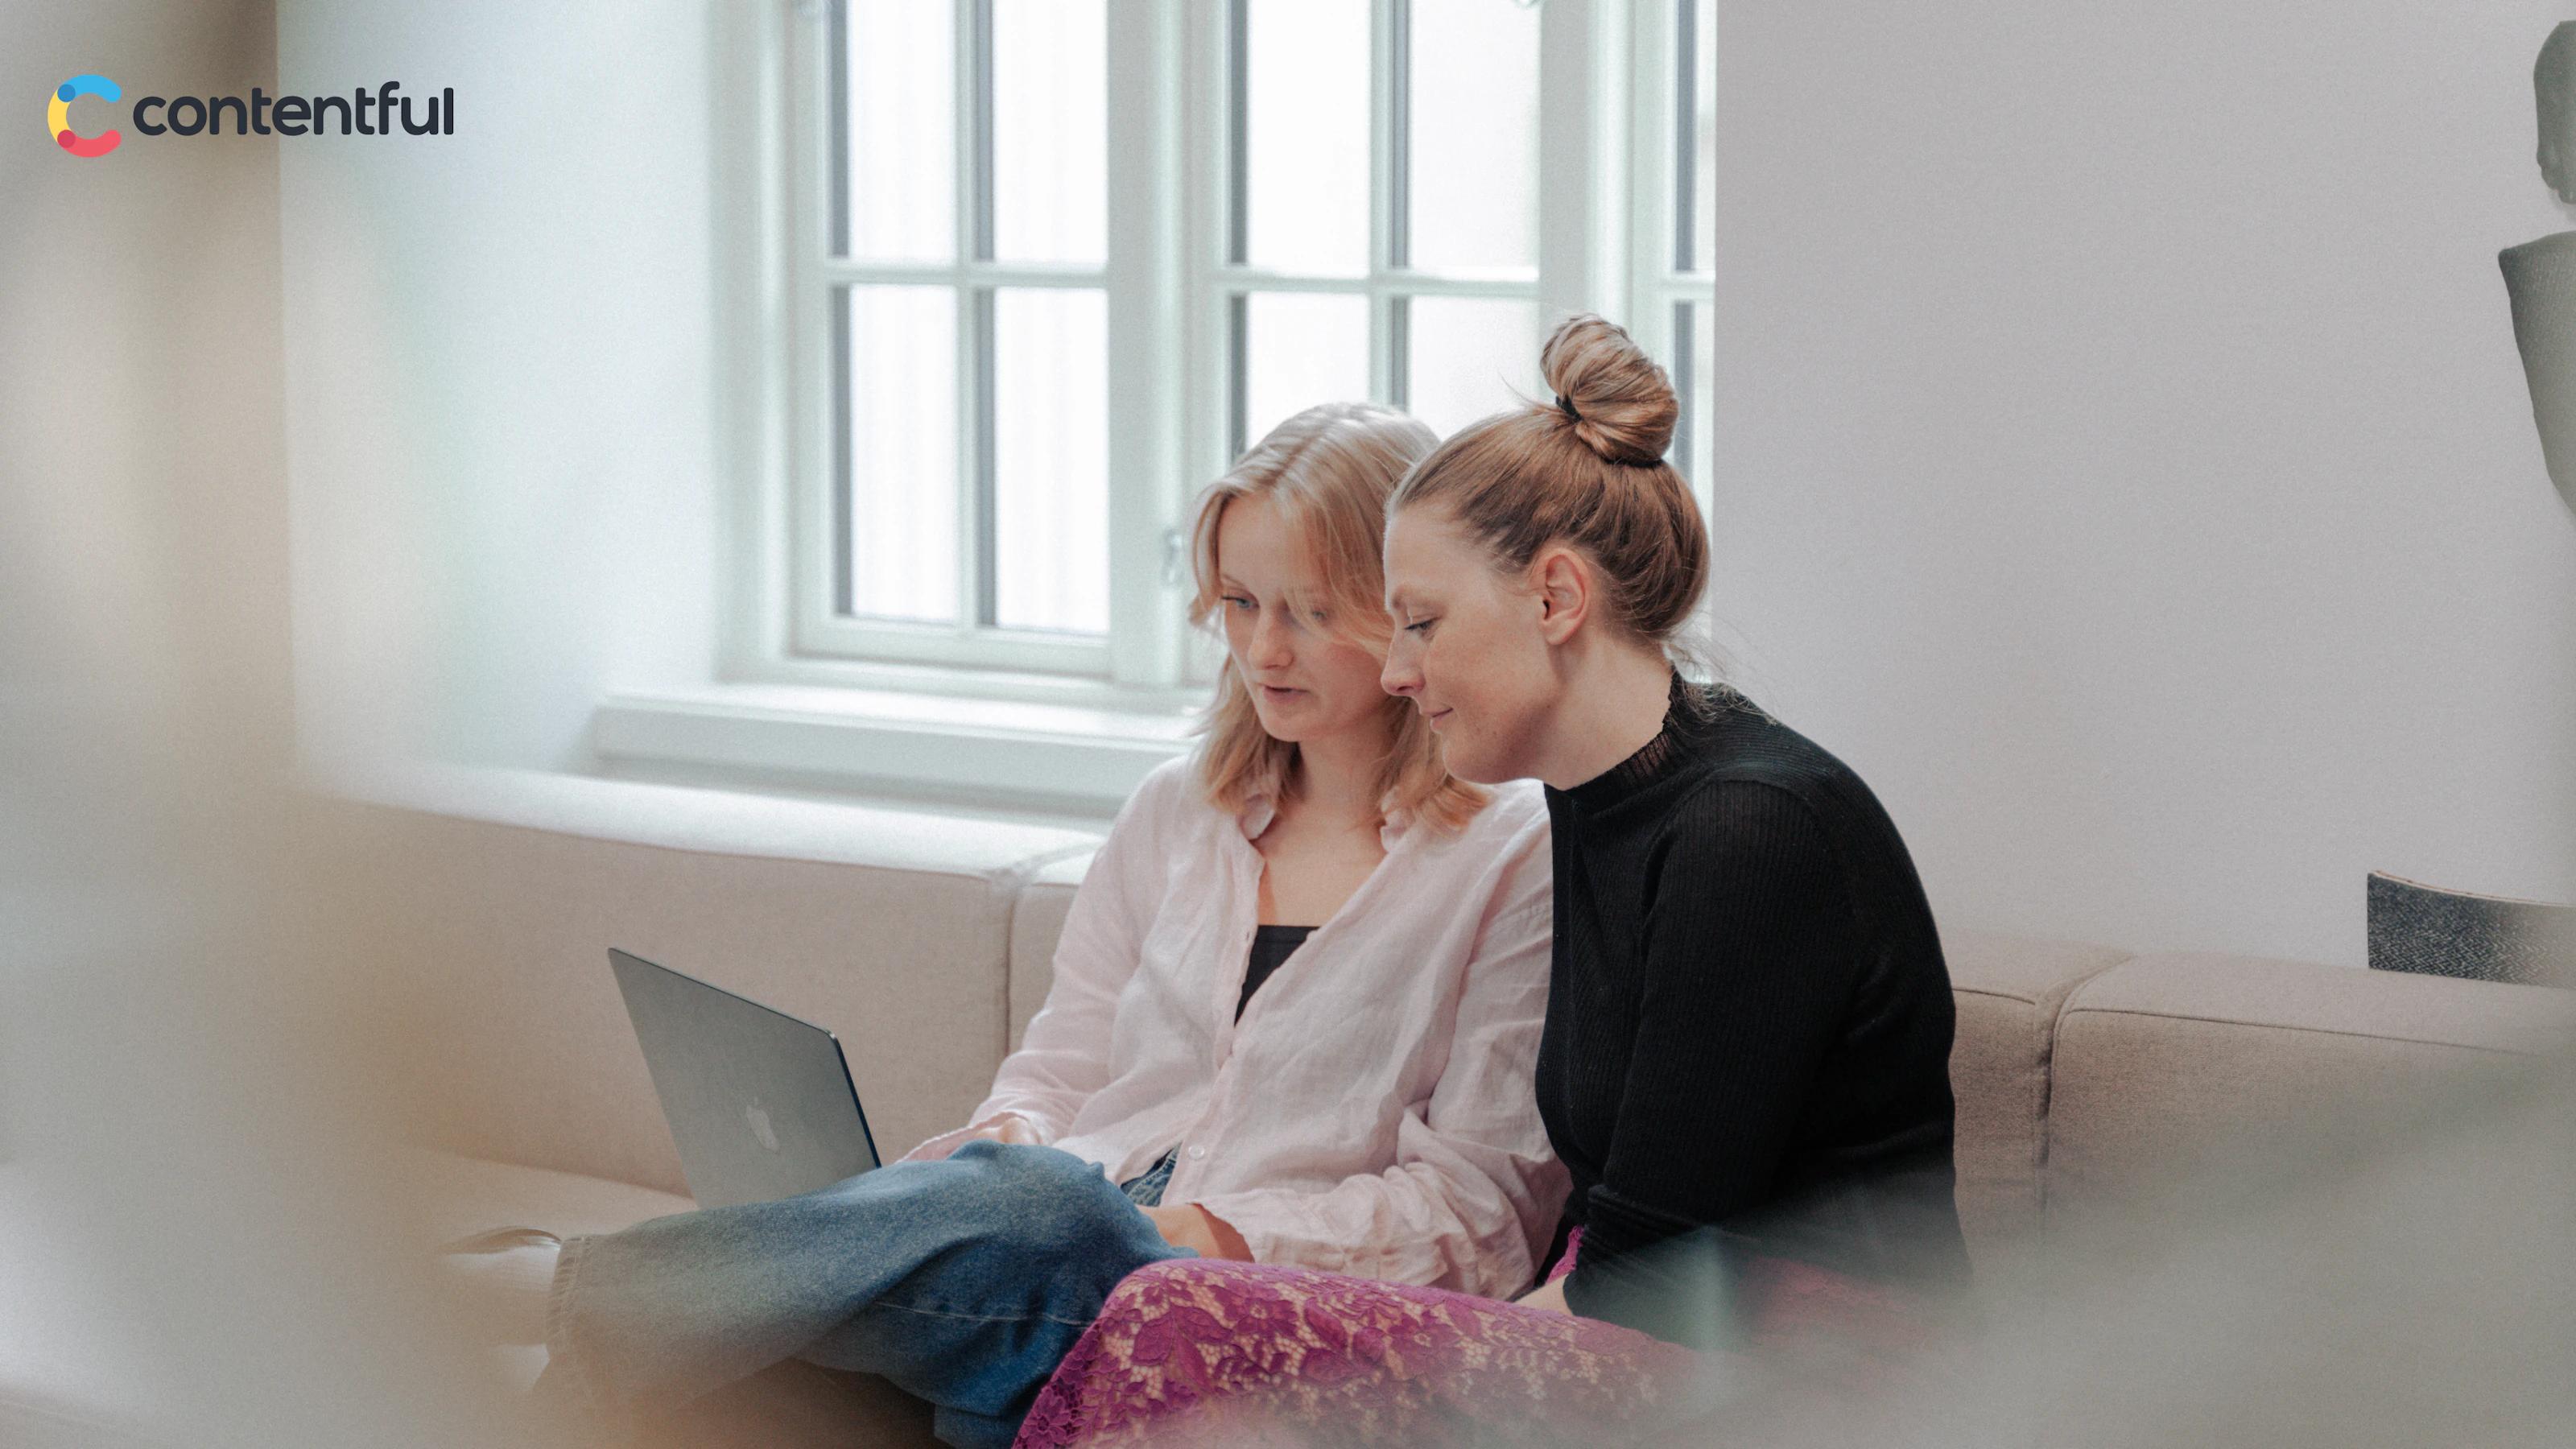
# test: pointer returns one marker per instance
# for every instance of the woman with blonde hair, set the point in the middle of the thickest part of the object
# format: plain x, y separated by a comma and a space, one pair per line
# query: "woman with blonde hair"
1295, 1009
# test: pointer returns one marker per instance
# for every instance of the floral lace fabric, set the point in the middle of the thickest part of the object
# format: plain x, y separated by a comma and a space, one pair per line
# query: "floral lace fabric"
1205, 1351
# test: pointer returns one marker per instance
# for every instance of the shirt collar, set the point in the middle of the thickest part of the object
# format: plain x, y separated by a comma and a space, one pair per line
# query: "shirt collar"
1395, 820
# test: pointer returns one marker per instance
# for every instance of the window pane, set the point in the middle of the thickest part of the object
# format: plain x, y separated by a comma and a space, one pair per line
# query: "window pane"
1467, 354
1050, 130
902, 398
1694, 375
1300, 349
1051, 458
1305, 147
1474, 120
902, 138
1698, 249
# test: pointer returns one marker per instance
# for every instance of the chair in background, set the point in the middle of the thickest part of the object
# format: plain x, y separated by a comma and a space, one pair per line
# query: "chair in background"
2435, 932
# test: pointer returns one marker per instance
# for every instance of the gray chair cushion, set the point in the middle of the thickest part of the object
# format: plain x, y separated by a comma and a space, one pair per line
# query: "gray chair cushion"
2436, 932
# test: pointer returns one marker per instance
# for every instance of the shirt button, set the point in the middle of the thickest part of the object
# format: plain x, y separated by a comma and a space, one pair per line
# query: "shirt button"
1197, 1151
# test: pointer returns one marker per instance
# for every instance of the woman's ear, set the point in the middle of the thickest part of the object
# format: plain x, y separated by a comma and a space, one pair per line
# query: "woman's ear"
1564, 583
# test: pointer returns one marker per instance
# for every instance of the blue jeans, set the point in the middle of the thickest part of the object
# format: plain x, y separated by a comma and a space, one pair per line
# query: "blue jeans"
963, 1281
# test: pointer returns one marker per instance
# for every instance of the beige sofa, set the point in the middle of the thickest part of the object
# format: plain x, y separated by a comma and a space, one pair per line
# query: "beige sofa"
2085, 1074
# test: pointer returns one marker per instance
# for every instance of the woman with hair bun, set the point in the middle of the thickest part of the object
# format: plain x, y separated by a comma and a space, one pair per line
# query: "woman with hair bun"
1745, 1063
1749, 1019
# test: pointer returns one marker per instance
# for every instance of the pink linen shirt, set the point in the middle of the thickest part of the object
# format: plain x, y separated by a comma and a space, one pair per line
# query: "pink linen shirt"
1374, 1111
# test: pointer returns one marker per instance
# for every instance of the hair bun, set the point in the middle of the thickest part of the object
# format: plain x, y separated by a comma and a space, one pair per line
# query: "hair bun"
1619, 401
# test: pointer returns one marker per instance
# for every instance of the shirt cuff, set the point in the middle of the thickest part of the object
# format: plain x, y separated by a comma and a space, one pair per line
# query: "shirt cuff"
935, 1148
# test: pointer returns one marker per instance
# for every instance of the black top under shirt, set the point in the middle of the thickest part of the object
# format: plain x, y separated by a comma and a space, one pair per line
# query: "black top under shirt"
1270, 946
1748, 1026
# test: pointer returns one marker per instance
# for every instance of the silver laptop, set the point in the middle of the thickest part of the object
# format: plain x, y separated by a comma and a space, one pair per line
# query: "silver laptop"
760, 1103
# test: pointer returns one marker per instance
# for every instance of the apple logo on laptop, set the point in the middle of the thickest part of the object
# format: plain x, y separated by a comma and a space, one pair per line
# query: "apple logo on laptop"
760, 1128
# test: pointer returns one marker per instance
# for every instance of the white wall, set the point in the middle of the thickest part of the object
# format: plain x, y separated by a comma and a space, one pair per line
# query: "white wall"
2123, 458
500, 373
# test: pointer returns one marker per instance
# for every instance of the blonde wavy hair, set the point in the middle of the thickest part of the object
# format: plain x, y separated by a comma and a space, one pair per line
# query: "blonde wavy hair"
1327, 473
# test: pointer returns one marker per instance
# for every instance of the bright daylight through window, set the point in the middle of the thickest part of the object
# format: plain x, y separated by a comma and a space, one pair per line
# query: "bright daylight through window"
1359, 205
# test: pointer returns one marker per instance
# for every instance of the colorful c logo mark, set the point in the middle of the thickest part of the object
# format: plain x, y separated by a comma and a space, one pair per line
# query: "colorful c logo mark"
58, 115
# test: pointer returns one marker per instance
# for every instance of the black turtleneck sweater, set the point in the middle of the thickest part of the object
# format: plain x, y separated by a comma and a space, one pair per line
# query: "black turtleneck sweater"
1748, 1026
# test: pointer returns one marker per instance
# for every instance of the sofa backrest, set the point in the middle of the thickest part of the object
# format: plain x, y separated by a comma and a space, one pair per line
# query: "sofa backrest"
484, 903
2192, 1072
2009, 991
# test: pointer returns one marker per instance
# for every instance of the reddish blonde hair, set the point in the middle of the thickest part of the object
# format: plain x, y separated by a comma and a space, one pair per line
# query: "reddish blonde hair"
1326, 473
1589, 471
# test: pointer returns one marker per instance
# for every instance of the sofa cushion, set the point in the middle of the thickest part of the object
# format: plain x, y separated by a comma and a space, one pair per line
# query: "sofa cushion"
2009, 990
2171, 1063
484, 919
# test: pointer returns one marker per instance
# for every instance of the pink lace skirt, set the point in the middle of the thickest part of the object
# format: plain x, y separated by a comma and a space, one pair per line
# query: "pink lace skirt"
1209, 1351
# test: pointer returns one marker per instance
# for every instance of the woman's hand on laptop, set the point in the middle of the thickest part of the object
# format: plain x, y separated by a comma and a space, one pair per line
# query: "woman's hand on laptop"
1009, 1127
1187, 1225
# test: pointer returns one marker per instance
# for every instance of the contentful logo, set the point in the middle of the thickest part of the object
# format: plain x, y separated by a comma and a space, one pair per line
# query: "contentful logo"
58, 115
361, 112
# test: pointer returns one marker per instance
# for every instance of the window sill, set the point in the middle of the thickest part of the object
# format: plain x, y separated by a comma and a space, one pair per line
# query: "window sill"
1076, 758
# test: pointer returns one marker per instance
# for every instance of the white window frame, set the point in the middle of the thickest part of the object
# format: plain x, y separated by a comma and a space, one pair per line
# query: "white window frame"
1605, 138
1219, 282
1664, 281
816, 331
